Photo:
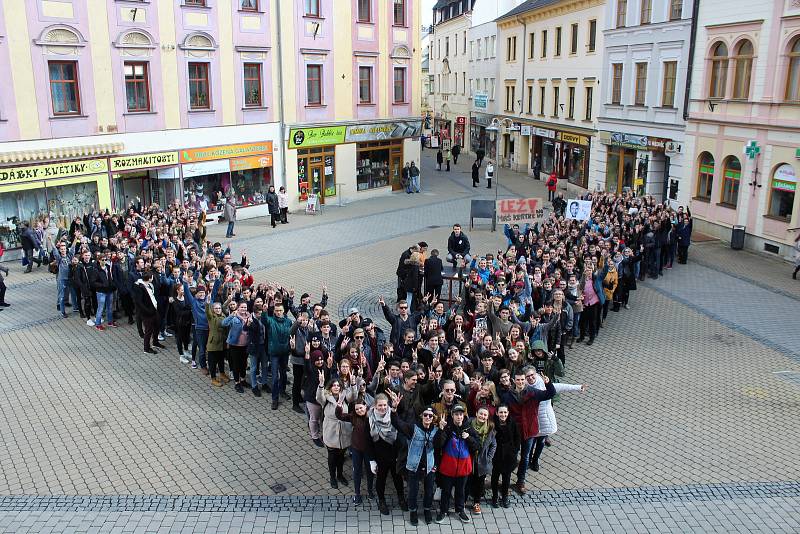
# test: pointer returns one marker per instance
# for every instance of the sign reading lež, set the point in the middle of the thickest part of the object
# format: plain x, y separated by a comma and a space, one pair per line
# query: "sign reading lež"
519, 210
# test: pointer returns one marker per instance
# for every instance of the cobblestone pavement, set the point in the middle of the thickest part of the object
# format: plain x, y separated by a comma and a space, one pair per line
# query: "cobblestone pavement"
689, 423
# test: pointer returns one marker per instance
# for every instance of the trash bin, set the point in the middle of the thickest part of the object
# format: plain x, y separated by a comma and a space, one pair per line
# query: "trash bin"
737, 237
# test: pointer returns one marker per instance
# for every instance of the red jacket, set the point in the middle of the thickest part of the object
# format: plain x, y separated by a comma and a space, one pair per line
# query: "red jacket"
524, 408
552, 182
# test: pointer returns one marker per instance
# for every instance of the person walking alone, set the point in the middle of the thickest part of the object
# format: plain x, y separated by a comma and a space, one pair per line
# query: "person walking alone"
475, 174
229, 214
456, 152
439, 159
489, 174
283, 204
413, 172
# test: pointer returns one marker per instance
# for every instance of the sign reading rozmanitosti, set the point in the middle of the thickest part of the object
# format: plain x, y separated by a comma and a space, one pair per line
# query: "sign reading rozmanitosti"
519, 210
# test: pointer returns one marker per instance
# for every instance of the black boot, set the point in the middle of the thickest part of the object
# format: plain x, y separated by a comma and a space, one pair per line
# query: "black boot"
384, 509
402, 502
489, 183
414, 518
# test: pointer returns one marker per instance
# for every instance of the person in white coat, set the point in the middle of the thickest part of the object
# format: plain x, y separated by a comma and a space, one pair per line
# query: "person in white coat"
489, 174
547, 416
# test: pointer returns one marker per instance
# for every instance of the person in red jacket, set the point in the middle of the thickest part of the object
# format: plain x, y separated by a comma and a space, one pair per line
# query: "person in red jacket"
523, 403
552, 183
457, 442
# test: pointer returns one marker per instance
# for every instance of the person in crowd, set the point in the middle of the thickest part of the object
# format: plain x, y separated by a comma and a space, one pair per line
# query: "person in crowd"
507, 439
336, 433
433, 275
458, 248
278, 328
102, 282
238, 342
181, 309
457, 442
30, 243
484, 456
148, 308
361, 448
216, 344
384, 444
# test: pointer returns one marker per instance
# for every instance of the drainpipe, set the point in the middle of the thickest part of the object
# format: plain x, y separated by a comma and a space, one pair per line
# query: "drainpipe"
695, 9
281, 116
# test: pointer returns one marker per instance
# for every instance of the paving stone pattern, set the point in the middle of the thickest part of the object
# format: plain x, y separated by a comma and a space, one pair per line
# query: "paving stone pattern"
689, 423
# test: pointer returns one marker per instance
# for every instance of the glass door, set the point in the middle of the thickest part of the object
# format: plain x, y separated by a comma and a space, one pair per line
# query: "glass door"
396, 169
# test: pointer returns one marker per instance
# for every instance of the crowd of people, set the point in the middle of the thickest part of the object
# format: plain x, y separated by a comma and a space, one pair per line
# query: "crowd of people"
459, 388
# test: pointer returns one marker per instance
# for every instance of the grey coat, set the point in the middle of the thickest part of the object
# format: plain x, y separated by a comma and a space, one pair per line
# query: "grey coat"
229, 211
483, 460
336, 433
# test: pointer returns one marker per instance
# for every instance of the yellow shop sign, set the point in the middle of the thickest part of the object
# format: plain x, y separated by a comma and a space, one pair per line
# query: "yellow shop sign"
143, 161
53, 171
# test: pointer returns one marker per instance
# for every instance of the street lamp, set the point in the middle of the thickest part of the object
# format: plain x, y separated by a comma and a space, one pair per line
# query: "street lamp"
493, 130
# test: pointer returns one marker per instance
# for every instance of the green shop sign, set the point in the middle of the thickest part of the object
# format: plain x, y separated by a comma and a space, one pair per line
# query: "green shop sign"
306, 137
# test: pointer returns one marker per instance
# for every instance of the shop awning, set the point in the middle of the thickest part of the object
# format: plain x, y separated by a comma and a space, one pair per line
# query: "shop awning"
68, 152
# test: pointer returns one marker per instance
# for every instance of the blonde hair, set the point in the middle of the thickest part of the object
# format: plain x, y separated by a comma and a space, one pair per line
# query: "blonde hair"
416, 257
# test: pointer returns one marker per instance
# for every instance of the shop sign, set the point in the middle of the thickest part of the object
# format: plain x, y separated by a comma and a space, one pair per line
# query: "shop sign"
519, 210
625, 140
325, 135
785, 178
480, 119
142, 161
205, 167
544, 132
461, 120
384, 130
751, 150
657, 144
53, 171
251, 162
192, 155
525, 130
573, 138
673, 148
480, 100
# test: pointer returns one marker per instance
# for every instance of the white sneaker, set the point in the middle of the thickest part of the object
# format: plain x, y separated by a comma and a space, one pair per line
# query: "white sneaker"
184, 359
167, 334
160, 337
90, 322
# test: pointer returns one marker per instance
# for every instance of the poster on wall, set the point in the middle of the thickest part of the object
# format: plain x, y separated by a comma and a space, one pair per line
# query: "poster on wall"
302, 179
329, 182
579, 210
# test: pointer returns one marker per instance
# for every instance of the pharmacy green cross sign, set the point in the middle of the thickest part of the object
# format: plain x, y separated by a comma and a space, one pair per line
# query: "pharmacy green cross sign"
752, 149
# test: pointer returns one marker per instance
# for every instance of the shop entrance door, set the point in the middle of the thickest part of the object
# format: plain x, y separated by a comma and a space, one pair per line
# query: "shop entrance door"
620, 169
396, 170
316, 170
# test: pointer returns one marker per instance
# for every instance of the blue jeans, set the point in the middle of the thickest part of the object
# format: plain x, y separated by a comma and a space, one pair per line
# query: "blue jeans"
258, 359
229, 233
414, 478
576, 324
409, 299
105, 301
279, 364
527, 445
64, 290
201, 339
360, 464
415, 183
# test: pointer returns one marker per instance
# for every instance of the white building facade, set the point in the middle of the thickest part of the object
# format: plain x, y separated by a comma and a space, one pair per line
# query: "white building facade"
641, 127
449, 65
549, 56
483, 70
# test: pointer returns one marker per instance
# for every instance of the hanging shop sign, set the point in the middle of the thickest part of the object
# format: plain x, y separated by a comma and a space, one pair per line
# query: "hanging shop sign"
544, 132
480, 100
53, 171
193, 155
251, 162
325, 135
525, 130
143, 161
383, 130
575, 139
625, 140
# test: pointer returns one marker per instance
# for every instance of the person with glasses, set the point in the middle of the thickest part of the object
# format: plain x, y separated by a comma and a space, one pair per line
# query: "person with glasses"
401, 321
420, 461
449, 401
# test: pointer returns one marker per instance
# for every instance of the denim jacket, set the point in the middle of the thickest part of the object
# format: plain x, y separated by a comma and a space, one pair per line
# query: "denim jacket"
236, 325
417, 445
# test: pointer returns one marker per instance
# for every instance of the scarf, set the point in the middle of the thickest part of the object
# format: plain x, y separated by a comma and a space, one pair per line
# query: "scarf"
380, 427
481, 428
148, 288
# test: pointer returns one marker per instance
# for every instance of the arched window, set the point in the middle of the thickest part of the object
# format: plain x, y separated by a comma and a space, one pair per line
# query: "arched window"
743, 64
781, 191
793, 75
719, 71
731, 174
705, 176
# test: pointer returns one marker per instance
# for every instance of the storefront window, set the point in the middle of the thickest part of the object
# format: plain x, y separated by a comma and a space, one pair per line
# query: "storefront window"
207, 192
378, 164
17, 207
251, 185
576, 160
782, 189
68, 201
548, 155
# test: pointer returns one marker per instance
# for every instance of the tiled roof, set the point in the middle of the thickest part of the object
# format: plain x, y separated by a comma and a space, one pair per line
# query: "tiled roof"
529, 5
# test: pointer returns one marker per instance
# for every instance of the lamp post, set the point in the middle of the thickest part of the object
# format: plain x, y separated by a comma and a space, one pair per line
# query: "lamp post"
493, 130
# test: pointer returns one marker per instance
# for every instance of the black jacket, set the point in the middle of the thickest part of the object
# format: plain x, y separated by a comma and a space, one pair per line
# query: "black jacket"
101, 281
272, 204
143, 303
508, 442
82, 276
433, 272
458, 245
